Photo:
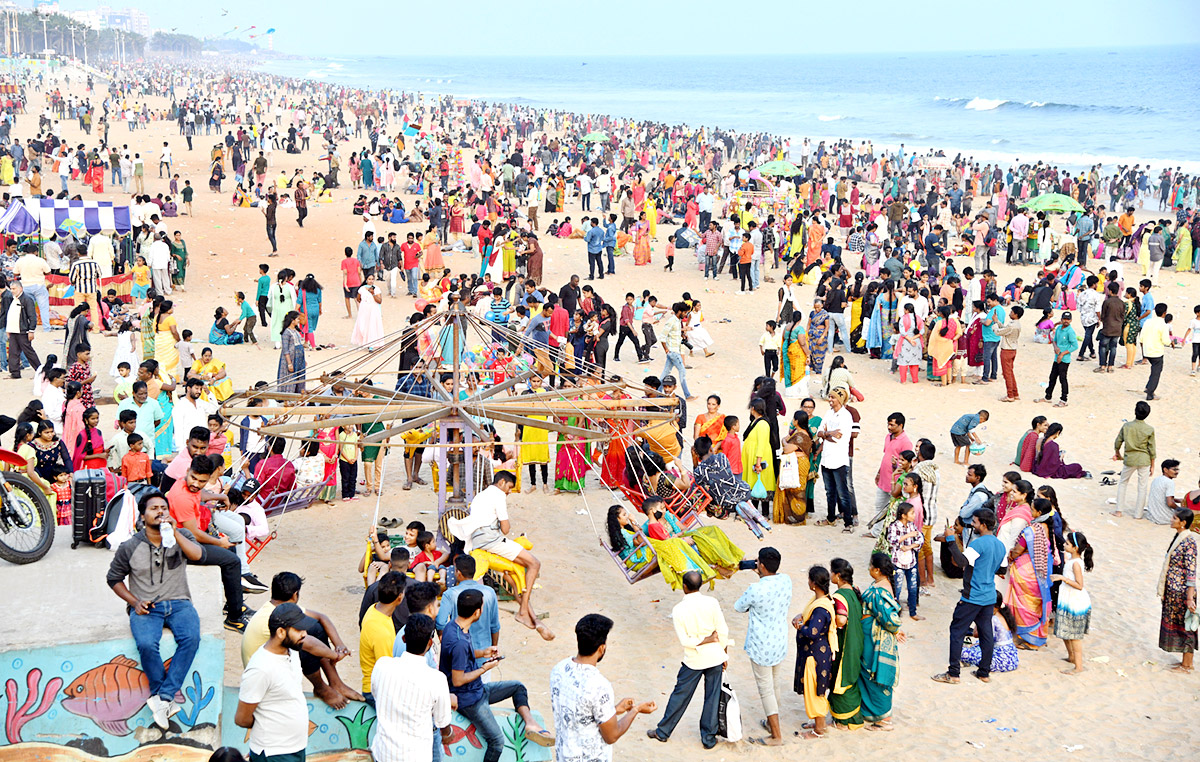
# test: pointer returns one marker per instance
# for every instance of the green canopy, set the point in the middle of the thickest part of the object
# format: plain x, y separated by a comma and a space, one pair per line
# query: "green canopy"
595, 137
779, 169
1052, 202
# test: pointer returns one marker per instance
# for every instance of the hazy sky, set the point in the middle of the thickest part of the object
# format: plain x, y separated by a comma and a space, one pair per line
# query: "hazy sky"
623, 27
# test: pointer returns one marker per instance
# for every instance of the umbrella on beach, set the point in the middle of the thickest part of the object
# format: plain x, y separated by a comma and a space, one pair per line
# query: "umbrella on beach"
1053, 202
779, 169
595, 137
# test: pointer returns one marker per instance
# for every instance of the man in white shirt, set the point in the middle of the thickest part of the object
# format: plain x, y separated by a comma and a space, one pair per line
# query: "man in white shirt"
486, 528
408, 694
701, 629
835, 460
164, 160
271, 699
586, 722
191, 412
160, 258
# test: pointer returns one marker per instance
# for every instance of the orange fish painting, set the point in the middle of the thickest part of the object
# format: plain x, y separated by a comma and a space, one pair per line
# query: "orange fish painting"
110, 694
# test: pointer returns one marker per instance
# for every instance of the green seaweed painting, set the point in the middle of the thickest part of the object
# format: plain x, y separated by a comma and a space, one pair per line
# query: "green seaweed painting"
514, 737
358, 729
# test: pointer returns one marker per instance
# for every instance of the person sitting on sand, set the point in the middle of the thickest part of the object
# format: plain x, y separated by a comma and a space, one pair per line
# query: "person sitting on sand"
486, 528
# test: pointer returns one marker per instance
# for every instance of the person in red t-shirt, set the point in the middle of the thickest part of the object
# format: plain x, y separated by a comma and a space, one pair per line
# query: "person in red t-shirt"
352, 278
732, 446
184, 503
411, 250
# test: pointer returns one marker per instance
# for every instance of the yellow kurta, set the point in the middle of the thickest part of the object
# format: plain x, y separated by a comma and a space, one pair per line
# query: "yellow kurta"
757, 444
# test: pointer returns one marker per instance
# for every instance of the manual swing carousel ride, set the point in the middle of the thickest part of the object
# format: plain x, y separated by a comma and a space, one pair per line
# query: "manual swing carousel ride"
449, 383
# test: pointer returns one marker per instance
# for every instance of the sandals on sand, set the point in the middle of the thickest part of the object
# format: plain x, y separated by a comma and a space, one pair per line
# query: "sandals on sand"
945, 677
539, 737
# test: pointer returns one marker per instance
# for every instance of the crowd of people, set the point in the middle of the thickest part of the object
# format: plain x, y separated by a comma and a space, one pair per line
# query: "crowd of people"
901, 247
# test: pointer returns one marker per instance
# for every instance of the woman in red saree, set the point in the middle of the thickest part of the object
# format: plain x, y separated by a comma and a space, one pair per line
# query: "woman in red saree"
692, 216
639, 195
612, 470
1027, 447
95, 173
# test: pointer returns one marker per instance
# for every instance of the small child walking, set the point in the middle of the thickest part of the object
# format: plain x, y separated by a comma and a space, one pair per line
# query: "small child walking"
1073, 615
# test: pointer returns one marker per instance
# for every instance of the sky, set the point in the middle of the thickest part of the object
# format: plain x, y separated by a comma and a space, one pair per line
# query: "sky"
678, 27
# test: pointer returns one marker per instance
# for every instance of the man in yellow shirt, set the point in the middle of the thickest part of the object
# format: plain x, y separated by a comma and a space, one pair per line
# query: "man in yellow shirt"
378, 633
1155, 337
701, 629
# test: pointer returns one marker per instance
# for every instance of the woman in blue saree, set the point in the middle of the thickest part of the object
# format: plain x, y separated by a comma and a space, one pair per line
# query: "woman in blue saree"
818, 337
883, 322
881, 645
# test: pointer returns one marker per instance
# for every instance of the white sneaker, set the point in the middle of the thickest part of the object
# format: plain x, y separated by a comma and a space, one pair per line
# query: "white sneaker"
158, 708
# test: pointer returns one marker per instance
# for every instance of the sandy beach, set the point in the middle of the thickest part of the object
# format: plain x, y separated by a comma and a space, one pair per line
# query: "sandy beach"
1125, 706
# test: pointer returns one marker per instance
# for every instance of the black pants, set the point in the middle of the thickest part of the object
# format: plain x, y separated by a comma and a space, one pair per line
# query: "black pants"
686, 683
1108, 350
310, 664
745, 283
627, 333
705, 218
301, 213
770, 362
271, 238
1088, 347
231, 576
533, 474
966, 614
349, 472
1058, 372
650, 340
262, 312
1156, 366
595, 264
19, 344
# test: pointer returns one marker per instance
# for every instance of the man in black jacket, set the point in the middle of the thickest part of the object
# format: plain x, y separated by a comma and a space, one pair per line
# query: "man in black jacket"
19, 313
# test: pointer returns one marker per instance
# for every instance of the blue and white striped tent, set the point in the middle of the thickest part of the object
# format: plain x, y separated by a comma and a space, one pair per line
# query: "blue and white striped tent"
95, 215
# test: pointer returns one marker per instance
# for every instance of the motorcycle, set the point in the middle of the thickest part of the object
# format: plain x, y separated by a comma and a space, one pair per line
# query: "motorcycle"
27, 518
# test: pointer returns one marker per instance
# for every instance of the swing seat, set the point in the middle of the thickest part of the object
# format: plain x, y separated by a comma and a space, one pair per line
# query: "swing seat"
486, 563
687, 506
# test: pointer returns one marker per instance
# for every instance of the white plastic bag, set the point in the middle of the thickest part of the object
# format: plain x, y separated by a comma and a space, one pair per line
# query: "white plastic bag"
789, 471
729, 715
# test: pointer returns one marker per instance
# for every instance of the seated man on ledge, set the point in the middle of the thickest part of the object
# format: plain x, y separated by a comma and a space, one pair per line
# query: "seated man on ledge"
486, 528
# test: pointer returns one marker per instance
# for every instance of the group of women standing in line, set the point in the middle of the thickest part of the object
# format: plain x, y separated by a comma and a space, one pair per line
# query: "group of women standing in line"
848, 648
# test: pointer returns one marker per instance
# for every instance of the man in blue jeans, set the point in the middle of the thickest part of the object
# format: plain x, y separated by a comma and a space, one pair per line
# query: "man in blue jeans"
672, 343
149, 573
594, 238
979, 562
835, 432
993, 319
701, 629
460, 663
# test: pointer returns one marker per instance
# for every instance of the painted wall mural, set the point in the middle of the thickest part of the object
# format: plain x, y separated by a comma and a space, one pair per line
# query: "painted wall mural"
92, 697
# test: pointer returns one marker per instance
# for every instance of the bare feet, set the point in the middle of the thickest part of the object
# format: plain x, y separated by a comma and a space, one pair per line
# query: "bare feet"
545, 632
532, 488
1072, 671
330, 695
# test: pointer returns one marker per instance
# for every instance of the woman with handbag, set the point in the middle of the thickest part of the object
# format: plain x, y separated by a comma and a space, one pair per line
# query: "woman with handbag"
791, 504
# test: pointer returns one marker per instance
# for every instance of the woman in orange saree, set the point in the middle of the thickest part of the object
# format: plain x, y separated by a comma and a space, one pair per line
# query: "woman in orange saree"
943, 340
711, 424
641, 246
816, 237
1029, 567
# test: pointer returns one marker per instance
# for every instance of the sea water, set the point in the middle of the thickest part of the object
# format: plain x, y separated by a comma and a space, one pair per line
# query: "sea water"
1071, 108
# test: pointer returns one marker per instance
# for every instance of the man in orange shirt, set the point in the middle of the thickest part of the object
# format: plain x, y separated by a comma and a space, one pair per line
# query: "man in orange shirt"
745, 254
183, 501
1125, 225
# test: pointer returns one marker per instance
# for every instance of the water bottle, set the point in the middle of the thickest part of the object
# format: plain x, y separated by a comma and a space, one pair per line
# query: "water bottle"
168, 535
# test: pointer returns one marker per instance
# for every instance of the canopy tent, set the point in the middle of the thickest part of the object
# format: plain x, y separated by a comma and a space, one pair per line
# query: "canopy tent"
95, 215
1052, 202
779, 169
18, 220
594, 137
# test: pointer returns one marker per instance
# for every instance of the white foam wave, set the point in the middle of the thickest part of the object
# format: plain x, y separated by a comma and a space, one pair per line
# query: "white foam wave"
985, 104
1035, 104
825, 118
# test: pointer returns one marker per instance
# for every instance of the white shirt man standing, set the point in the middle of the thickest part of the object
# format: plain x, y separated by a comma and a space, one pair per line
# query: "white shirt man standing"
586, 721
409, 693
271, 699
160, 257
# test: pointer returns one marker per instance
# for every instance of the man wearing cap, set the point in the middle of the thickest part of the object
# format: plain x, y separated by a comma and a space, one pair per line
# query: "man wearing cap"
1065, 344
271, 699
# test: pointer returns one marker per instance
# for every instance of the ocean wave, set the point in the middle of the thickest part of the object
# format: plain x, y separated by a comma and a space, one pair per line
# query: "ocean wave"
824, 118
992, 104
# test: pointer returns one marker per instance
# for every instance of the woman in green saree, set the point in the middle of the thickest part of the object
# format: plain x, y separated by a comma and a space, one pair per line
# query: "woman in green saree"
881, 638
794, 362
845, 699
809, 405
